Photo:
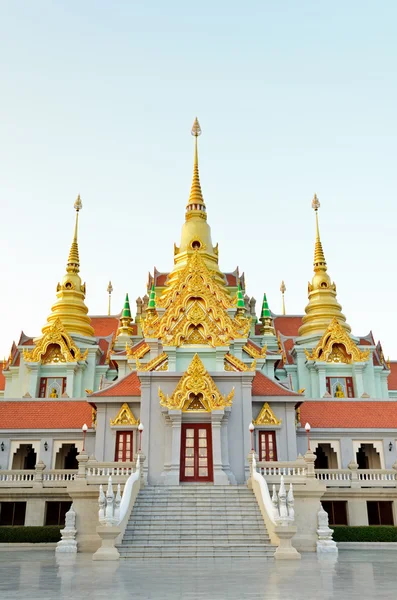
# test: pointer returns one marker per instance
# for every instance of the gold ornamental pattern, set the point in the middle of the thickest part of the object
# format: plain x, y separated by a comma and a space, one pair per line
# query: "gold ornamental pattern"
337, 347
267, 416
56, 346
196, 391
195, 310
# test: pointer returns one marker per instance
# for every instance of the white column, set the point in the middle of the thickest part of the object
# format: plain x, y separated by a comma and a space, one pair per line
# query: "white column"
358, 380
225, 447
70, 372
220, 477
322, 386
172, 475
33, 379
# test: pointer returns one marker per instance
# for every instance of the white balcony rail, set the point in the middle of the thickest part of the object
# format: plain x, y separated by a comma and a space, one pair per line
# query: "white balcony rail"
270, 469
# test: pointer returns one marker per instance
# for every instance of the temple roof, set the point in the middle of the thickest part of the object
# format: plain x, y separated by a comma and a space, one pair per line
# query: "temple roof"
392, 379
349, 415
264, 386
45, 414
128, 386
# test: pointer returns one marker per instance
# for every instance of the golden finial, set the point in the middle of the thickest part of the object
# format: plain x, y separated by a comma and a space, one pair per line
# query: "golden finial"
319, 258
283, 289
196, 129
4, 362
109, 291
73, 265
196, 200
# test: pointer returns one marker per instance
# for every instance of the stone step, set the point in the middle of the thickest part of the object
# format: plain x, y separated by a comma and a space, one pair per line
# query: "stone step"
192, 540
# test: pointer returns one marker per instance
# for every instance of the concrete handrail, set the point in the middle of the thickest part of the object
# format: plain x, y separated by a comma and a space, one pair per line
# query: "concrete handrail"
261, 491
131, 489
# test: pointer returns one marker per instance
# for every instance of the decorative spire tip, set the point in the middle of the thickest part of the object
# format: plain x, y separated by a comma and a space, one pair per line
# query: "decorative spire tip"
78, 205
196, 129
315, 203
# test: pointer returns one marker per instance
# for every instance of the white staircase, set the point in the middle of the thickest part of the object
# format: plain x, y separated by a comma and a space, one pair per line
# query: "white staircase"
196, 521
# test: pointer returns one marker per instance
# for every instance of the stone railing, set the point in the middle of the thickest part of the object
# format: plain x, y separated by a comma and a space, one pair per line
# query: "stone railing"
292, 471
20, 478
354, 477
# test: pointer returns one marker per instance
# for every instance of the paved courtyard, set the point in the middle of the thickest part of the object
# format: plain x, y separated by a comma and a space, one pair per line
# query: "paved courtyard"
363, 575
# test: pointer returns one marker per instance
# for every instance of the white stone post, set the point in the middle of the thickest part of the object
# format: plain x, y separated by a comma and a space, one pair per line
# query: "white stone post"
325, 542
220, 477
68, 542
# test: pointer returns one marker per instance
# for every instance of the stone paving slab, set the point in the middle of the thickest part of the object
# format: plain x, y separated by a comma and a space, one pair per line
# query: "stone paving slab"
351, 576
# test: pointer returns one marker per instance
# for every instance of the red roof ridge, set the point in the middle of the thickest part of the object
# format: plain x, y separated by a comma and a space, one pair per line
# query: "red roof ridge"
127, 386
262, 385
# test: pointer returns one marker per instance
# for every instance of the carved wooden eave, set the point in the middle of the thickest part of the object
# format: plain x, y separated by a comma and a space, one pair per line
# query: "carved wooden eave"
124, 417
195, 310
336, 346
55, 346
232, 363
139, 352
196, 391
158, 363
254, 353
267, 417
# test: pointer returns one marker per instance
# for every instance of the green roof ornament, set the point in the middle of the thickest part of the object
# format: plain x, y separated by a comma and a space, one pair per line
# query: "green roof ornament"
152, 299
126, 314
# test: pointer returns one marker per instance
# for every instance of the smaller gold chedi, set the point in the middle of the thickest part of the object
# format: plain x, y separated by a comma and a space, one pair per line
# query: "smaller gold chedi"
323, 305
196, 233
70, 307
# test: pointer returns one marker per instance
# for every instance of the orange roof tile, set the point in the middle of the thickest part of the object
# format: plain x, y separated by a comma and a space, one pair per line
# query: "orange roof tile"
128, 386
104, 326
350, 415
45, 414
264, 386
392, 379
288, 325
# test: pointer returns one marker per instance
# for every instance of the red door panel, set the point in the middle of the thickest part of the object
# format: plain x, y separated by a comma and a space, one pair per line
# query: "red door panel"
267, 445
196, 452
124, 451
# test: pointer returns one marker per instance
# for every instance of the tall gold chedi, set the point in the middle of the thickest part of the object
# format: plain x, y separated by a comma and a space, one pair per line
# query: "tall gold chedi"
70, 307
196, 233
323, 305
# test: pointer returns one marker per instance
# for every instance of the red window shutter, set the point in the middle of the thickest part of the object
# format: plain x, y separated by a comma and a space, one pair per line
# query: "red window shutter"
328, 384
349, 386
63, 385
43, 387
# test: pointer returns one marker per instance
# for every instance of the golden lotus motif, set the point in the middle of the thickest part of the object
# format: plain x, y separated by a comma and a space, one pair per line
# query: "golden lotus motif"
55, 346
196, 391
337, 347
195, 310
267, 416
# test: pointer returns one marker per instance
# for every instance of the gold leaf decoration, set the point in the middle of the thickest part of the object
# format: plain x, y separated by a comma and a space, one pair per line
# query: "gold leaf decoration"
267, 416
196, 391
55, 346
336, 346
125, 416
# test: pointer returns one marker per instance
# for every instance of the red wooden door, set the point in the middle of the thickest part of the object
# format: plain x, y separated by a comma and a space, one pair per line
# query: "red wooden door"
267, 445
124, 452
196, 452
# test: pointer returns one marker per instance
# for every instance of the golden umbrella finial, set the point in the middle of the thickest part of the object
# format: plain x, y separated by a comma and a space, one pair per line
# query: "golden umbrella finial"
283, 289
315, 203
78, 205
109, 291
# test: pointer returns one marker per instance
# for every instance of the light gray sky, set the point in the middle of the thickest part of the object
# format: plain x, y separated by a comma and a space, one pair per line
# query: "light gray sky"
98, 98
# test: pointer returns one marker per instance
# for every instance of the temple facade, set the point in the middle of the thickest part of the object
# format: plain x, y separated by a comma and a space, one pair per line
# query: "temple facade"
195, 365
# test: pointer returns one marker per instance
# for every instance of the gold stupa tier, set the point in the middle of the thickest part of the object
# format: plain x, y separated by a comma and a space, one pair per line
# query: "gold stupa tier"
196, 233
70, 307
323, 306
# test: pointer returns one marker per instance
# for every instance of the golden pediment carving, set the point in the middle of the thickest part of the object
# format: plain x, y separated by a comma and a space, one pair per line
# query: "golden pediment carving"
54, 347
195, 310
125, 416
137, 352
232, 363
158, 363
336, 346
196, 391
267, 416
253, 352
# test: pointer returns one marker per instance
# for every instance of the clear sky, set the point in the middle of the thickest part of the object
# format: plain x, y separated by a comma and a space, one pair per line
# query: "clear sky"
293, 97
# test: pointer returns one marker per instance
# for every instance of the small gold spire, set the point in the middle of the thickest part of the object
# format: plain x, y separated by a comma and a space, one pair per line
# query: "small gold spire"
323, 306
283, 289
73, 265
109, 291
196, 195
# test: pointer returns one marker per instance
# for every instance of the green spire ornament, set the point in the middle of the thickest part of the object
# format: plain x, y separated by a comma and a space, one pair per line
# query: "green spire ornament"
152, 300
125, 319
240, 301
126, 310
266, 318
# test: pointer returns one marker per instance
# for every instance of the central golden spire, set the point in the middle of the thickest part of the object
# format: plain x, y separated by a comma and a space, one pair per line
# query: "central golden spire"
196, 200
323, 305
70, 307
196, 233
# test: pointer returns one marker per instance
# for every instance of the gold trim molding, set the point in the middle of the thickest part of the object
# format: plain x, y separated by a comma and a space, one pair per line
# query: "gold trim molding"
125, 416
336, 346
253, 352
232, 363
64, 350
158, 363
196, 391
267, 416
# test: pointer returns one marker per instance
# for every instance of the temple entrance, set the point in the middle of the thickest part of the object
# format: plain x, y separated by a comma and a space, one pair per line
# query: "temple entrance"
196, 453
267, 445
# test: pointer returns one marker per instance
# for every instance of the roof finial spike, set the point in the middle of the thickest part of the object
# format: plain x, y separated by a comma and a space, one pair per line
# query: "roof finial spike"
73, 264
240, 302
152, 300
196, 200
109, 291
319, 258
283, 289
266, 318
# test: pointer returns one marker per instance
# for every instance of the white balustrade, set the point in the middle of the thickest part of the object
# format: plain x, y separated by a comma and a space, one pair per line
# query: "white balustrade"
17, 476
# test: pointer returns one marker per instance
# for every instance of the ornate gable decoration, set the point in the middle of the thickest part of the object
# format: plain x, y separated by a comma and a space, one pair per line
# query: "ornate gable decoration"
137, 352
267, 417
336, 346
55, 346
196, 391
253, 352
125, 416
158, 363
195, 310
232, 363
